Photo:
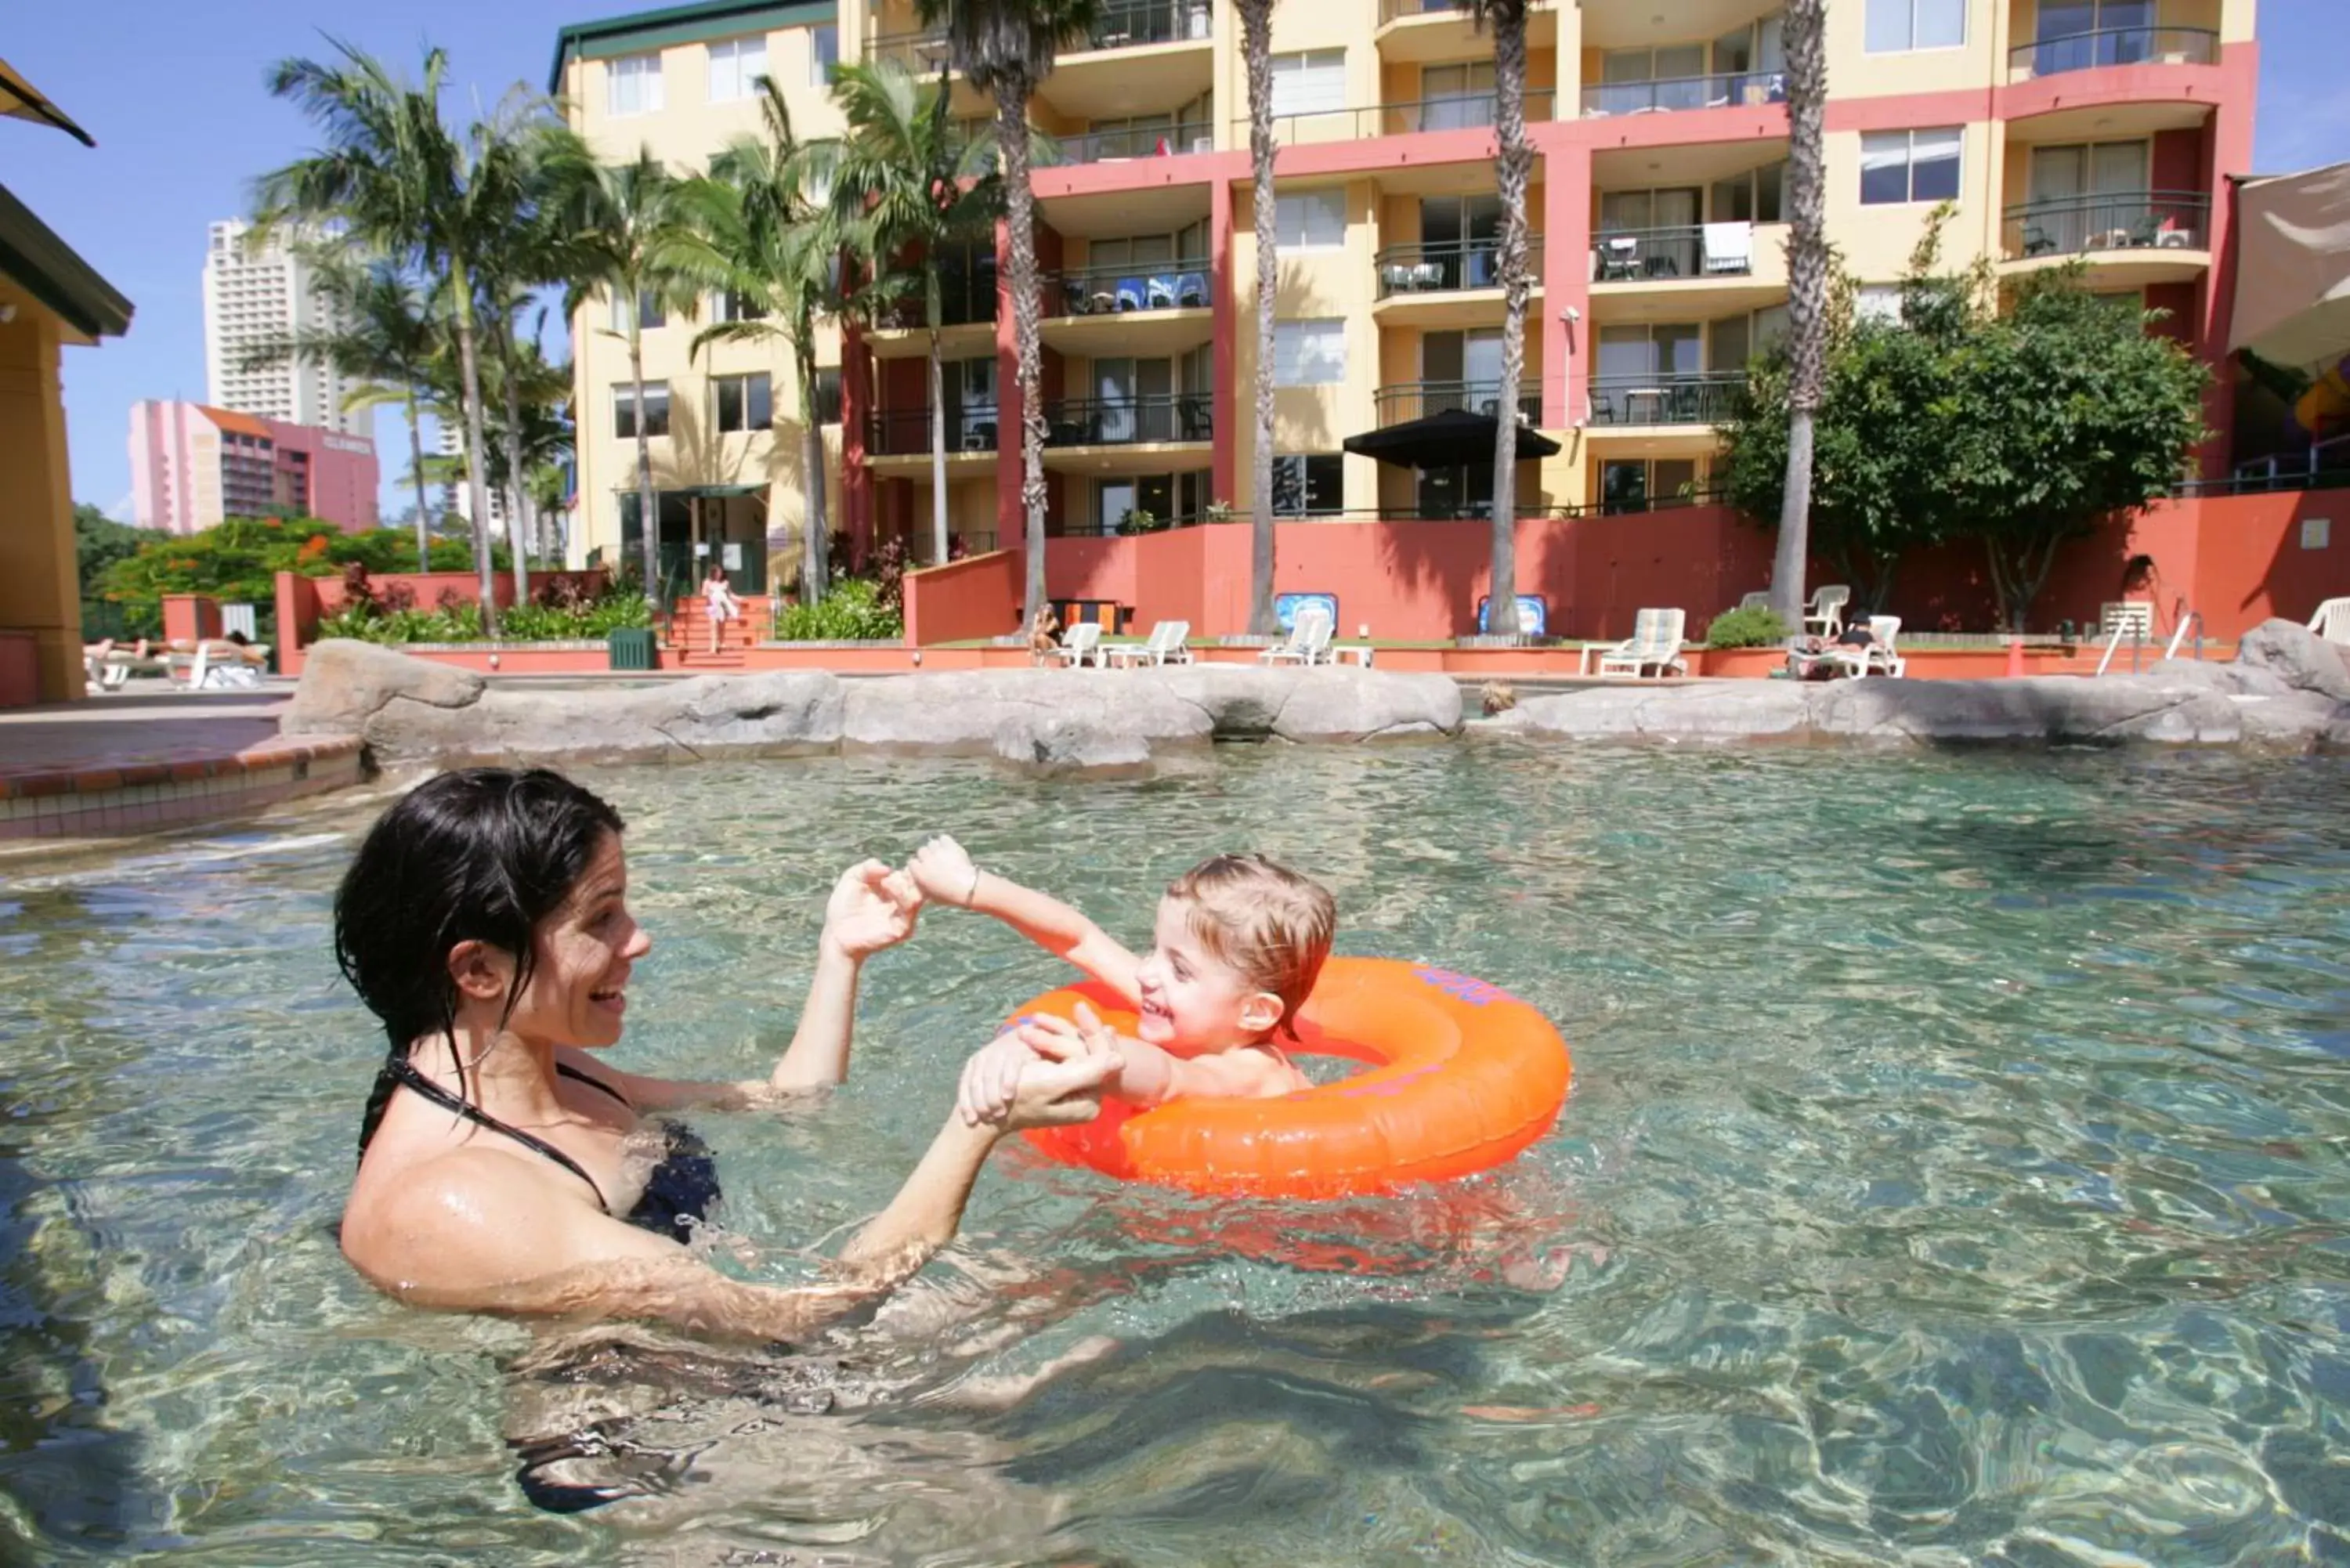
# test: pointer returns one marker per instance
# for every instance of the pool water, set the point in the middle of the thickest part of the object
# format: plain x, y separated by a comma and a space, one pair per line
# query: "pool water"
1956, 1172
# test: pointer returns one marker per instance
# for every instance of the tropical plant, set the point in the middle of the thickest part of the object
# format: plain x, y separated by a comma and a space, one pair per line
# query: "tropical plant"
631, 236
1808, 291
238, 562
907, 188
1756, 628
1513, 160
1256, 57
1005, 48
851, 612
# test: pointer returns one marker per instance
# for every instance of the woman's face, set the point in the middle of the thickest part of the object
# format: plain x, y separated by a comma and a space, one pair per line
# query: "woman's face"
578, 993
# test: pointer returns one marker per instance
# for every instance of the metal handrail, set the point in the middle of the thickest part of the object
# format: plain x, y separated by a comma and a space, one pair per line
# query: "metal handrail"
1672, 398
1720, 89
2129, 627
1393, 10
1467, 111
1677, 251
2195, 619
2116, 47
906, 432
2107, 220
1116, 290
1155, 417
1448, 264
1133, 141
1401, 401
967, 298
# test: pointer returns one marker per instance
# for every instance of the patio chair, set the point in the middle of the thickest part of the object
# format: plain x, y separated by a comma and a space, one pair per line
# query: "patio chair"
1619, 258
1309, 641
1131, 293
1826, 612
1159, 292
1079, 643
1656, 640
1758, 599
1879, 656
1192, 290
2037, 241
1167, 645
219, 664
2332, 620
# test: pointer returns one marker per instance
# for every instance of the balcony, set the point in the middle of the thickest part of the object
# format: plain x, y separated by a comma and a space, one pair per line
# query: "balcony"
1694, 250
1154, 308
2152, 235
1124, 24
1407, 401
1665, 398
1472, 111
1127, 142
1445, 30
2114, 46
924, 53
1145, 419
966, 318
1447, 265
1733, 88
906, 433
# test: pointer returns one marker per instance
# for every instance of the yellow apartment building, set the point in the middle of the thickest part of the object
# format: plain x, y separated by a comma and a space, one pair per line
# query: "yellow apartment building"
2102, 129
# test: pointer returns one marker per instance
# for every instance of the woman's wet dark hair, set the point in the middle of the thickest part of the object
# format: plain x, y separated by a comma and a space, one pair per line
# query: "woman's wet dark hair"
479, 855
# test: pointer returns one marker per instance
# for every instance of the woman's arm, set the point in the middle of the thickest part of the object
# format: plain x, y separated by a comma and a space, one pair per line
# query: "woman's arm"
943, 871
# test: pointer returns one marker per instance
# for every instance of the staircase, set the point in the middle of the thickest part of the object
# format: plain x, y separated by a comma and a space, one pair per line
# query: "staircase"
687, 641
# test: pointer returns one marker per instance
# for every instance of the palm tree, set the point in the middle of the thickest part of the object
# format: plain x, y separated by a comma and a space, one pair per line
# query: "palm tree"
385, 336
1005, 48
1256, 51
905, 184
395, 181
1807, 292
1514, 161
628, 228
757, 232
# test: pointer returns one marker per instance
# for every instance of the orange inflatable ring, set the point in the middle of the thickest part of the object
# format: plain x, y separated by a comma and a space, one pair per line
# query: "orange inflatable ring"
1463, 1077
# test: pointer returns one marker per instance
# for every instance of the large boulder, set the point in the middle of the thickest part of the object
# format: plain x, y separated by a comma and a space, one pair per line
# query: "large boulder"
2297, 656
2233, 680
1334, 702
346, 683
972, 711
2038, 708
1071, 745
1709, 712
2295, 721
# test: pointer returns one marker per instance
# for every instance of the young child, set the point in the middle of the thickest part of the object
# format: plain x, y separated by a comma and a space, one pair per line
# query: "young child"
1236, 950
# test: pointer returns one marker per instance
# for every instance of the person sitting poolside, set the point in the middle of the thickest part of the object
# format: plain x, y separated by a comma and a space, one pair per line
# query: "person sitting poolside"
1044, 634
485, 922
1237, 945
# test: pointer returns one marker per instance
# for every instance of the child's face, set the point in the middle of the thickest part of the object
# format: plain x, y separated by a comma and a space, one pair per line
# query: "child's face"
1191, 1000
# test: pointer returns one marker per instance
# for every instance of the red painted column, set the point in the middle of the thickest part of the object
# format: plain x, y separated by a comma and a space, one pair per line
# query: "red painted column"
1567, 279
1224, 471
2229, 142
856, 479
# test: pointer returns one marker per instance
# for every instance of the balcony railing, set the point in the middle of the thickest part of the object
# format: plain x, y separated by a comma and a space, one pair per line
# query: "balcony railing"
1693, 250
1666, 398
924, 53
1721, 91
1116, 290
965, 299
1465, 111
1389, 10
1130, 421
906, 432
1445, 265
1418, 399
2128, 220
1120, 23
2116, 47
1125, 142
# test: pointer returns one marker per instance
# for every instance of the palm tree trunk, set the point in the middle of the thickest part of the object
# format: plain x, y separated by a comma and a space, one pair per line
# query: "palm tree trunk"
816, 547
416, 467
937, 431
517, 537
648, 519
1512, 168
1808, 291
1256, 43
469, 367
1020, 223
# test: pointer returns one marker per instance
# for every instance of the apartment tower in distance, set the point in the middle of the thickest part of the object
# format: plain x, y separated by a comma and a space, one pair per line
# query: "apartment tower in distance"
255, 293
2102, 129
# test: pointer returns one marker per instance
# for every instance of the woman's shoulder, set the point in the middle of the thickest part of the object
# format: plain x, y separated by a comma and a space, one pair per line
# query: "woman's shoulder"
447, 1219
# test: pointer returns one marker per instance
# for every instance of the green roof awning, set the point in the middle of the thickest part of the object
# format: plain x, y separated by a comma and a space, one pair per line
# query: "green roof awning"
644, 30
707, 492
45, 267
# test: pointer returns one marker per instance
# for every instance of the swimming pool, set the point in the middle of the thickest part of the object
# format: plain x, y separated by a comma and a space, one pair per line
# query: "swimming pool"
1956, 1172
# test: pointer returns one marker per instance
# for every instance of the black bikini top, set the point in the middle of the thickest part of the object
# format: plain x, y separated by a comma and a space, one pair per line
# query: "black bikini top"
678, 1192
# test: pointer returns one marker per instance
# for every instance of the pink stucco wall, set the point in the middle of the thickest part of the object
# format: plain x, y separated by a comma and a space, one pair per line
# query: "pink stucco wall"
175, 449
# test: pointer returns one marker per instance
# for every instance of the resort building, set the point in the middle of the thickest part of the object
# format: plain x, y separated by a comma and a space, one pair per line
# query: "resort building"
260, 291
2098, 129
194, 466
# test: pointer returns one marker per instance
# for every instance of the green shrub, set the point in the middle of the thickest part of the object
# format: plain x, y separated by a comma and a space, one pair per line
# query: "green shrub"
1756, 628
852, 612
585, 620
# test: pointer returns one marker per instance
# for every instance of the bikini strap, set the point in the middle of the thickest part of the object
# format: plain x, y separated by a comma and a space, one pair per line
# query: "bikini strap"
405, 1072
593, 1081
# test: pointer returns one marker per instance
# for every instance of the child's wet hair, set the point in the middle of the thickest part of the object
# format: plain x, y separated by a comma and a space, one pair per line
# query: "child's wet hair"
1267, 922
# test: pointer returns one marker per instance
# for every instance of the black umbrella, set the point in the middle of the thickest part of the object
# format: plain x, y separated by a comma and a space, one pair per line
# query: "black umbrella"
1453, 439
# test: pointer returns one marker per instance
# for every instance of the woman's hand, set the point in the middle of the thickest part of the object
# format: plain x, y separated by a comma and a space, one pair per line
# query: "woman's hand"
995, 1075
1052, 1094
943, 870
872, 906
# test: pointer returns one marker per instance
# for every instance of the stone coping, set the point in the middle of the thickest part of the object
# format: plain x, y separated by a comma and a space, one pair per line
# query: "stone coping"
298, 754
128, 797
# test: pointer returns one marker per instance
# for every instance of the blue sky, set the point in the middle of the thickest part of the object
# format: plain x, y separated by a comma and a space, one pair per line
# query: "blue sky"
172, 92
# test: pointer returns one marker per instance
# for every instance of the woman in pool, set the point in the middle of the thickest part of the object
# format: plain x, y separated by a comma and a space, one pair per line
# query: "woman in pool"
485, 922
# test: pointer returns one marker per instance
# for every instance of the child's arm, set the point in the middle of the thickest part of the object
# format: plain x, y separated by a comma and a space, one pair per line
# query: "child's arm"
1146, 1075
943, 870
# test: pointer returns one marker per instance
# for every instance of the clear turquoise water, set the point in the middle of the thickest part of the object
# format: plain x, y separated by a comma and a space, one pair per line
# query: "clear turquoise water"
1956, 1173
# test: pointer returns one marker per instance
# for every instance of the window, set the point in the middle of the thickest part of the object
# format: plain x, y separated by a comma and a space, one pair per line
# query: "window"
649, 313
1877, 302
1753, 197
632, 85
1456, 97
1310, 220
828, 396
744, 404
1309, 353
824, 54
1908, 166
1895, 26
1308, 485
738, 69
727, 305
1310, 83
624, 411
